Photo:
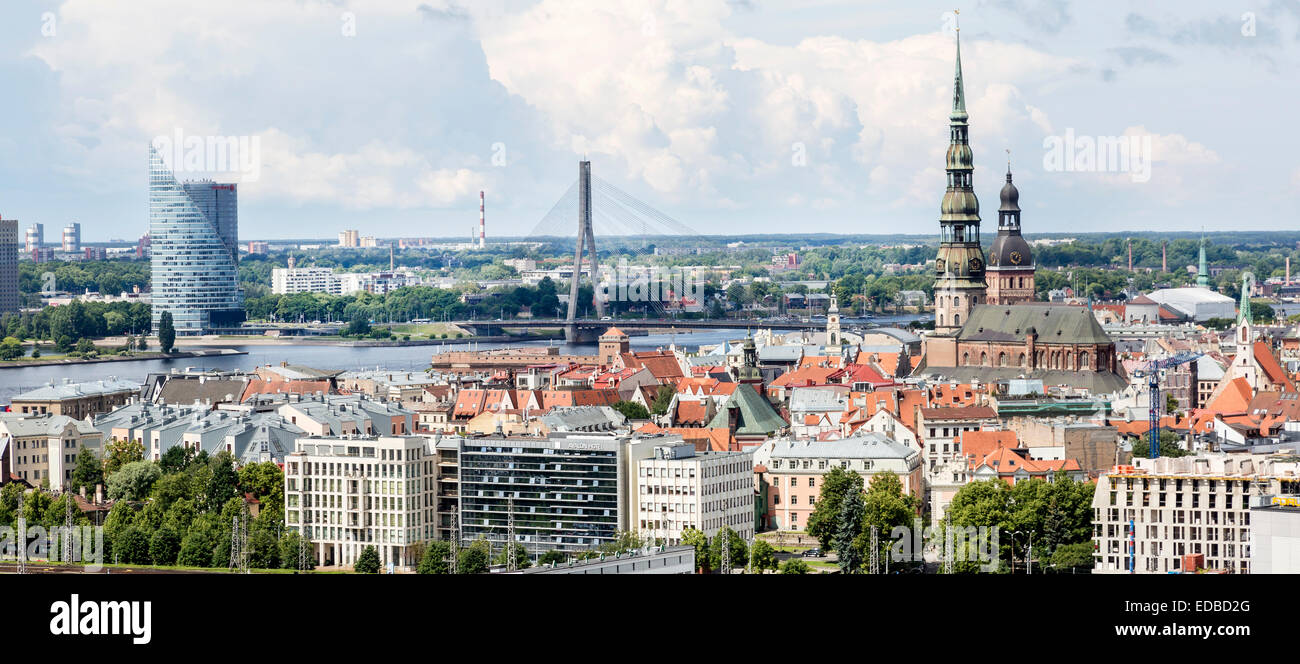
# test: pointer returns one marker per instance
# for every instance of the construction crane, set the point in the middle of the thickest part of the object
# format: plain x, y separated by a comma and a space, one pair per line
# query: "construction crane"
1152, 371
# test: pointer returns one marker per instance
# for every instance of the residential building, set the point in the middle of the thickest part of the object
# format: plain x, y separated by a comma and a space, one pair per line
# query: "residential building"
566, 492
349, 239
350, 493
41, 448
9, 294
76, 400
72, 238
35, 237
679, 488
1149, 515
794, 471
194, 275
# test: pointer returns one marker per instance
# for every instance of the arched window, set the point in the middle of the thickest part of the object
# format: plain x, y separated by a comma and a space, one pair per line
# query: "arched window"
1002, 359
984, 359
965, 359
956, 319
956, 301
1083, 360
1021, 361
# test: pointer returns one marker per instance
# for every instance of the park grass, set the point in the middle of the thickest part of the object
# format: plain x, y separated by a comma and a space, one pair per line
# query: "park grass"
435, 330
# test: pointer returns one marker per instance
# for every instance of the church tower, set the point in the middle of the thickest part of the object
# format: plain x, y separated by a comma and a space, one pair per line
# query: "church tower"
833, 338
1010, 275
959, 269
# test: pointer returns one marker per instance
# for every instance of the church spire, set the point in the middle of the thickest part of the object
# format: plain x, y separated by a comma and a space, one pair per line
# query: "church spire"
958, 89
1202, 272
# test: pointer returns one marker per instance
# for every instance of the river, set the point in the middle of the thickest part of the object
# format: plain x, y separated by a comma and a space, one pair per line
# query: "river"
412, 358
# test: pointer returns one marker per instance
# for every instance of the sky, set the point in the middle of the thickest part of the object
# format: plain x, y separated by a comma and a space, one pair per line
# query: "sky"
730, 116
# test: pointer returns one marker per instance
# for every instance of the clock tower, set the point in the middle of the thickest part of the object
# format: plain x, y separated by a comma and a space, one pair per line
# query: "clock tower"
959, 284
1010, 272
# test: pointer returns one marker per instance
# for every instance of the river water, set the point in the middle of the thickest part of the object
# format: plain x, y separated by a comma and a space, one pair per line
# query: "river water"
412, 358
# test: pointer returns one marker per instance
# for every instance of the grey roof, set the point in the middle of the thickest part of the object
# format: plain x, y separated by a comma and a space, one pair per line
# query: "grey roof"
24, 426
1207, 368
1054, 324
583, 418
869, 445
1096, 382
59, 392
804, 399
203, 389
298, 372
780, 353
899, 333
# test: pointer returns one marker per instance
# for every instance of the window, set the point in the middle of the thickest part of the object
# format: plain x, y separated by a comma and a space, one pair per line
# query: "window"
812, 481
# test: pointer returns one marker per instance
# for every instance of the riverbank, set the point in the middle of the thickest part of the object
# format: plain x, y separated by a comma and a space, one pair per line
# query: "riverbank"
227, 341
138, 357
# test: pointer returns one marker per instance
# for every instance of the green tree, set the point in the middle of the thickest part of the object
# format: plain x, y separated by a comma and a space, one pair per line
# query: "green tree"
196, 549
164, 546
472, 560
632, 410
795, 566
521, 556
131, 546
823, 524
367, 562
11, 349
697, 539
88, 471
886, 507
358, 326
737, 548
436, 558
223, 485
663, 398
849, 530
296, 550
1073, 556
133, 481
762, 557
122, 452
1168, 446
556, 557
166, 332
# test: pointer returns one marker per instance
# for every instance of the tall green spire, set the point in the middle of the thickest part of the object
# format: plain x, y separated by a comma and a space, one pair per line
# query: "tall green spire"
958, 89
1203, 272
1245, 315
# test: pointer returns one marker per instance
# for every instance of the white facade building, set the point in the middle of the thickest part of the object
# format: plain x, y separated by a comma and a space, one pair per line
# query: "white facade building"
679, 488
1148, 516
350, 493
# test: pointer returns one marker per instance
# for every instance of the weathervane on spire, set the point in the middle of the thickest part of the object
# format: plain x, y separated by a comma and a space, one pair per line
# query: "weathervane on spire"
1008, 159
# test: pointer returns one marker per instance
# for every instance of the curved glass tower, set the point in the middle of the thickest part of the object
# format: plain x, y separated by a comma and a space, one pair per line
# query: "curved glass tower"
193, 270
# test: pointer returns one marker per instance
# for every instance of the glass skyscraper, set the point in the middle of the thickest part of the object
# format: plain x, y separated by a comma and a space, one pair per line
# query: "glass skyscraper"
193, 230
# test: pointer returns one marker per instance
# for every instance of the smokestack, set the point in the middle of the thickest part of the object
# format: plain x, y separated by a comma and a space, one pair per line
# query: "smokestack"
482, 221
1130, 255
1164, 256
1288, 270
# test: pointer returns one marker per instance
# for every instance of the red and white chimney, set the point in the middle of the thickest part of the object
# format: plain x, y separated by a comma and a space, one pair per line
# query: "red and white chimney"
482, 222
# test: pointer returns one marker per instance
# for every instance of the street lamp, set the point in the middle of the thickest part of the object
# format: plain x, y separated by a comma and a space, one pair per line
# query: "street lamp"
1028, 551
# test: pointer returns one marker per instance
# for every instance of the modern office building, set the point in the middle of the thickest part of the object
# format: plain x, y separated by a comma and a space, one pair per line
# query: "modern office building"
9, 299
566, 492
72, 237
193, 242
35, 237
1148, 516
350, 493
219, 203
679, 488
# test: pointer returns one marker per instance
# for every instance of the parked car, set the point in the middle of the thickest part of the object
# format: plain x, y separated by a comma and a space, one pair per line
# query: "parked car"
812, 553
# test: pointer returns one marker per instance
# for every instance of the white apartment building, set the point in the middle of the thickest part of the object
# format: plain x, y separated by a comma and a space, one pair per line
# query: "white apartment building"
679, 488
286, 281
1146, 517
350, 493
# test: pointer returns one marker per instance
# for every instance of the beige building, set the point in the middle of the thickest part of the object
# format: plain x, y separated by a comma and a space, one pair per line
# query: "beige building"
43, 447
350, 493
76, 400
679, 488
1146, 517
